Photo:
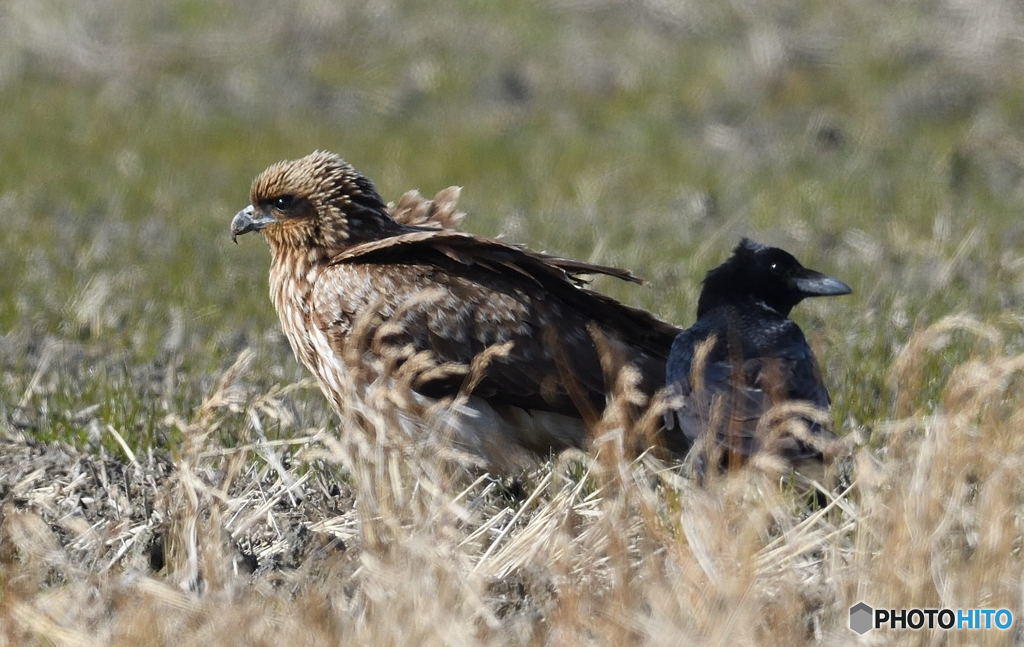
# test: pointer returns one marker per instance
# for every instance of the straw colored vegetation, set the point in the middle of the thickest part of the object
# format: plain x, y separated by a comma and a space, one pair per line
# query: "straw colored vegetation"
169, 476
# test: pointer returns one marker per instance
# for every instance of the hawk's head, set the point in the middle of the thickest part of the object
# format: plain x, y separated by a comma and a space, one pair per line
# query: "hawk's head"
317, 202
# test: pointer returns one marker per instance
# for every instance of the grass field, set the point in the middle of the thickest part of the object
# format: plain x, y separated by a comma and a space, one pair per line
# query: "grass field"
168, 476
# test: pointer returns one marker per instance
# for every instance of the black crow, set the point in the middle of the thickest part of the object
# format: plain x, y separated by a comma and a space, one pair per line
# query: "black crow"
744, 355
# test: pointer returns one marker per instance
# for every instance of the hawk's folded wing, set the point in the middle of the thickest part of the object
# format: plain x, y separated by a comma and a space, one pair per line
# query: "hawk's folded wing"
475, 293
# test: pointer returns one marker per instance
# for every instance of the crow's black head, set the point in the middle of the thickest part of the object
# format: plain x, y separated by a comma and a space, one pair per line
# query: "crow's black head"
761, 273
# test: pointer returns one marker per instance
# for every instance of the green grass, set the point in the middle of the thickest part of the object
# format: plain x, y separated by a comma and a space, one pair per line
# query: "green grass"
600, 133
866, 147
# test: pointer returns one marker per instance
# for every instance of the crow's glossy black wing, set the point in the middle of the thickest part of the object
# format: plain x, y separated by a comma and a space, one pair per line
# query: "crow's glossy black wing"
677, 379
769, 362
707, 396
784, 341
680, 358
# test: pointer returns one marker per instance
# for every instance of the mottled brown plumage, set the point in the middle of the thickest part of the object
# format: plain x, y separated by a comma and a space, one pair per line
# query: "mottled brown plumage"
439, 213
339, 255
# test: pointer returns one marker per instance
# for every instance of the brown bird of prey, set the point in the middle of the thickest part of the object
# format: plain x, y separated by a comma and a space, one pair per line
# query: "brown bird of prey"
341, 258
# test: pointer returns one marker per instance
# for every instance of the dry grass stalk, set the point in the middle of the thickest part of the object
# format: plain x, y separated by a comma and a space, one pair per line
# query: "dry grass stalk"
365, 535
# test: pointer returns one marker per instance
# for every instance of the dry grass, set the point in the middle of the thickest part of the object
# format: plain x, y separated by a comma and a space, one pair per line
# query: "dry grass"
366, 535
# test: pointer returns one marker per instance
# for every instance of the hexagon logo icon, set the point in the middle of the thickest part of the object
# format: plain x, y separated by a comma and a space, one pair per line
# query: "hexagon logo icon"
862, 618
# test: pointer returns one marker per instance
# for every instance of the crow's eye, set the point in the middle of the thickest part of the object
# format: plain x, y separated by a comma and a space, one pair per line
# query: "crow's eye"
775, 267
284, 202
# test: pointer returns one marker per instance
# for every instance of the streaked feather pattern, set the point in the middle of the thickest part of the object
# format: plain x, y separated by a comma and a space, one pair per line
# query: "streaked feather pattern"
424, 290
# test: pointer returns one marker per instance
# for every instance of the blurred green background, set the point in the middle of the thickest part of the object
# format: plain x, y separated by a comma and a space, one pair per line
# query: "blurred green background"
880, 142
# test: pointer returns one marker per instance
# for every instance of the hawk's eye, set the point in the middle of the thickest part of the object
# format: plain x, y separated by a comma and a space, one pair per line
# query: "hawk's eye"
284, 202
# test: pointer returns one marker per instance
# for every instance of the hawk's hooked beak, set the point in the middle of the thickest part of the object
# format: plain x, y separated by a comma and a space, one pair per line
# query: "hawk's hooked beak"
247, 220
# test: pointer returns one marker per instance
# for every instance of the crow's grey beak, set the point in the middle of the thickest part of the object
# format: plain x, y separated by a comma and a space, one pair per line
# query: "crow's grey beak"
816, 284
247, 220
